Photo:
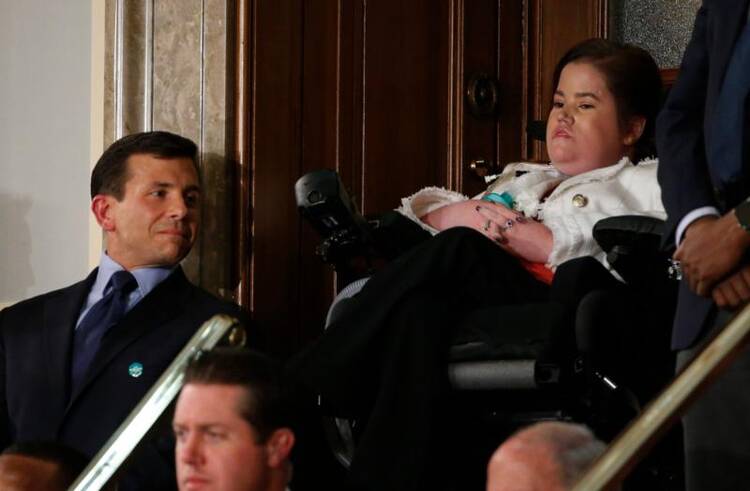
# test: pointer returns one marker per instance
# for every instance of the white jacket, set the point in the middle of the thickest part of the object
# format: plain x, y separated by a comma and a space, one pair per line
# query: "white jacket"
573, 207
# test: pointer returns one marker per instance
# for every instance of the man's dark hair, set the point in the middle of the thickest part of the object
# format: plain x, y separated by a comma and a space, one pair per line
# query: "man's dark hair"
267, 404
71, 462
633, 78
111, 172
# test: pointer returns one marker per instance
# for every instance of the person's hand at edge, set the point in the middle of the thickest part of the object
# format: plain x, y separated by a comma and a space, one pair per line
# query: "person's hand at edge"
711, 249
733, 292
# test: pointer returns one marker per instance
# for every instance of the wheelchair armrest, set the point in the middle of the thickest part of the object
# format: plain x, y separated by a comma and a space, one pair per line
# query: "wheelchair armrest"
635, 232
633, 247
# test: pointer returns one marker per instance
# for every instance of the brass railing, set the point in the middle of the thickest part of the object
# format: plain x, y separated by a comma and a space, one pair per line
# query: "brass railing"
627, 449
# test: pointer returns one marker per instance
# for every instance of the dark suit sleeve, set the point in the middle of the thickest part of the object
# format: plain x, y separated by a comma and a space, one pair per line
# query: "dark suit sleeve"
683, 169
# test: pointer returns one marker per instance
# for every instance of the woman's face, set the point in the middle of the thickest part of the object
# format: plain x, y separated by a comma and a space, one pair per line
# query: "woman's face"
582, 129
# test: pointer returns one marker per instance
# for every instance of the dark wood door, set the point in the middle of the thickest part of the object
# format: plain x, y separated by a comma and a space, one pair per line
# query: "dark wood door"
375, 90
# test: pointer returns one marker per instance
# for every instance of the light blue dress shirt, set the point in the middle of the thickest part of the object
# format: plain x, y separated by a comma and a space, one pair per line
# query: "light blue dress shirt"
147, 279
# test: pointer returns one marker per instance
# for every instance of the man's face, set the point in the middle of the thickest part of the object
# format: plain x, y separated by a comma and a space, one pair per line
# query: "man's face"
156, 222
216, 448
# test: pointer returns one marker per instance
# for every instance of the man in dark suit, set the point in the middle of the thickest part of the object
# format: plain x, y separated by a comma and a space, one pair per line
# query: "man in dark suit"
77, 360
704, 171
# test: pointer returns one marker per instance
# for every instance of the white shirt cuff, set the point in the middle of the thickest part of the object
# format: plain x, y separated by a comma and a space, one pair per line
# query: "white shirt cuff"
691, 217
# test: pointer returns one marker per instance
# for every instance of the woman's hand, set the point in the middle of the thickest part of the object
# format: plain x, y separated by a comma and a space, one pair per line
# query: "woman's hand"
521, 236
515, 233
461, 214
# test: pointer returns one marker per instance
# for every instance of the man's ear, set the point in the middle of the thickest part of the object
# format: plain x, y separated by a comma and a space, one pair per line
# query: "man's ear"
279, 446
635, 128
101, 207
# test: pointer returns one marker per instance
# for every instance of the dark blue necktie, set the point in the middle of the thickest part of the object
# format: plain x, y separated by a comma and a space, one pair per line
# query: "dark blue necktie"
103, 315
726, 145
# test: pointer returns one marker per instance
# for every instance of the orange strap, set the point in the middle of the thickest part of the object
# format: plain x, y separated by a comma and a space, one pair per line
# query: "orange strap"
538, 271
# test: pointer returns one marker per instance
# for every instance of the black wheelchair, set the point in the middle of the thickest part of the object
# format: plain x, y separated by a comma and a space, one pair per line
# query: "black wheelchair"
594, 353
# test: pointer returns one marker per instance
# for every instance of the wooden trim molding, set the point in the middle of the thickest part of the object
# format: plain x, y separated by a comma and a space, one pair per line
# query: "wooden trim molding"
455, 106
601, 18
241, 142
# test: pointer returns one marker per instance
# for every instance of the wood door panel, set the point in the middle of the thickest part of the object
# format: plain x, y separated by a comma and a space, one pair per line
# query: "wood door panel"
479, 55
511, 62
320, 132
405, 93
275, 152
374, 89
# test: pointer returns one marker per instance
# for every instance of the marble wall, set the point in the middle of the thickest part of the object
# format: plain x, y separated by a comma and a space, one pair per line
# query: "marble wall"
663, 27
167, 68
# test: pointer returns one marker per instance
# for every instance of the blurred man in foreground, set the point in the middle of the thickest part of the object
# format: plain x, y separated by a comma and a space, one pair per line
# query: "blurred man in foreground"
233, 424
543, 457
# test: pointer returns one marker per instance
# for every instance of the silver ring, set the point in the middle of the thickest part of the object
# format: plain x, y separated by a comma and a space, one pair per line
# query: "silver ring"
508, 224
674, 269
487, 225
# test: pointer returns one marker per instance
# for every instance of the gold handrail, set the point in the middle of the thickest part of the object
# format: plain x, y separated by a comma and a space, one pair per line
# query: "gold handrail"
140, 420
622, 455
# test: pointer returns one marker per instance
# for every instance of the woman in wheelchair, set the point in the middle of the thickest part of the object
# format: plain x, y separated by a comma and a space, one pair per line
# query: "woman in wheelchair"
384, 358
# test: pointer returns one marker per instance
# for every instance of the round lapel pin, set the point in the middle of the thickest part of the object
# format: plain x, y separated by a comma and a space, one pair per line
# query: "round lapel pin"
135, 369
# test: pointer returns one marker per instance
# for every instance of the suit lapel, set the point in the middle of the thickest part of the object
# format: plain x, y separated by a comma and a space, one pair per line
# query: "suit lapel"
162, 304
59, 319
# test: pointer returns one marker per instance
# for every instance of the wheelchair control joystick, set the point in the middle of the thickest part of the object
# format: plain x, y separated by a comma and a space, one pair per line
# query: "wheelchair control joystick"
323, 200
